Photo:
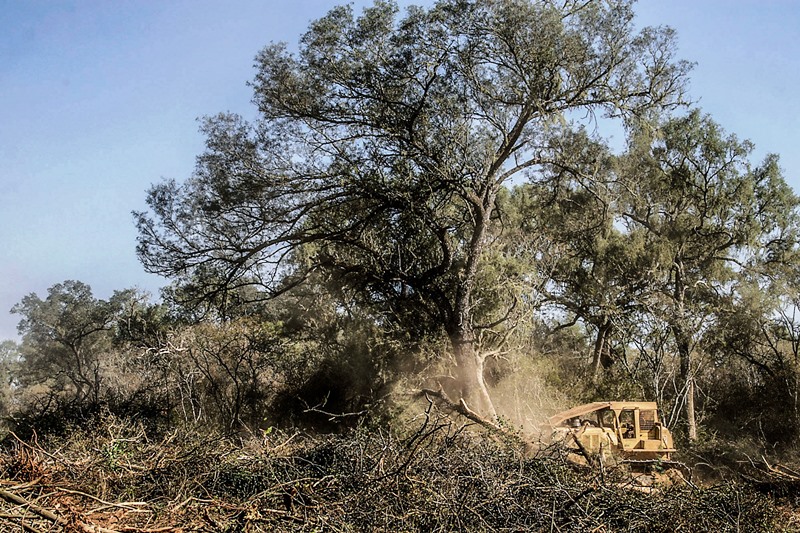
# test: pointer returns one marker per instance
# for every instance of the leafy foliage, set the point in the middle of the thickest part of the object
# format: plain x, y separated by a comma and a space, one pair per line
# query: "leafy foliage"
420, 198
66, 338
382, 146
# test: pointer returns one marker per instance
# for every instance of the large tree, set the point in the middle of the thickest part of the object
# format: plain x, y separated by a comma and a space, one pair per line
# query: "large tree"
595, 271
710, 218
382, 144
66, 337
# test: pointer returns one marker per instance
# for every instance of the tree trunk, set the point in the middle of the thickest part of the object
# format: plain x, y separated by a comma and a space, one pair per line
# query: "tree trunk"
601, 345
687, 377
469, 363
684, 345
469, 374
691, 420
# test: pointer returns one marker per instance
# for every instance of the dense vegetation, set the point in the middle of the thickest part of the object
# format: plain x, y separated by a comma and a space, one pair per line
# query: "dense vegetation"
428, 201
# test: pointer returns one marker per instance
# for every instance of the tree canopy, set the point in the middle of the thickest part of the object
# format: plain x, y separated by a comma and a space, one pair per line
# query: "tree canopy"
66, 337
382, 144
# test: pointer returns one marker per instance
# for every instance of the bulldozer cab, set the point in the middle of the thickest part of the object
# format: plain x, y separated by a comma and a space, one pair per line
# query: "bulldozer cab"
631, 429
640, 430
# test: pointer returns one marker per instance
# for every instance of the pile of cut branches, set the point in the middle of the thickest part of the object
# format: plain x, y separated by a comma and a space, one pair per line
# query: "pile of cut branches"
436, 476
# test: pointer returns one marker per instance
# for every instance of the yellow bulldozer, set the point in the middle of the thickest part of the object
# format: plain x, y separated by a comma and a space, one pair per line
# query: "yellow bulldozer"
631, 432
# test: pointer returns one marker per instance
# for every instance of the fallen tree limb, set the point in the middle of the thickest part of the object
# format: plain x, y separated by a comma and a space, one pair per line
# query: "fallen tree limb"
584, 452
13, 517
131, 506
781, 472
148, 530
463, 409
50, 515
460, 408
44, 513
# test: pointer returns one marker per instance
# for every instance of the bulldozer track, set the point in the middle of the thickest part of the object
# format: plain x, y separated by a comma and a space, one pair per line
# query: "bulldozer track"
683, 468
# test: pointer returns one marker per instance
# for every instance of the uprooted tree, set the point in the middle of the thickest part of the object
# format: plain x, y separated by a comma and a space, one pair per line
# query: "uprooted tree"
380, 149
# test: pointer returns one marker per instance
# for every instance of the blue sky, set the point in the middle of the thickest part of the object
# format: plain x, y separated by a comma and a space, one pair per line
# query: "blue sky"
99, 99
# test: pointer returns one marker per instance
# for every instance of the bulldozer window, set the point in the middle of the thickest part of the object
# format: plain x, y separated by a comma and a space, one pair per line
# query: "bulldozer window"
627, 422
647, 419
606, 417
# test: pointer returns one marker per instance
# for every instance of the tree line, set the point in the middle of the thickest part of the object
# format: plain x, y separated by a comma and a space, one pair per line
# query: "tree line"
433, 193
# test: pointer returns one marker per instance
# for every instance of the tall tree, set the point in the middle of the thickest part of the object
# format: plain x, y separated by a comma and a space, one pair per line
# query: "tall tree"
382, 145
709, 217
596, 272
